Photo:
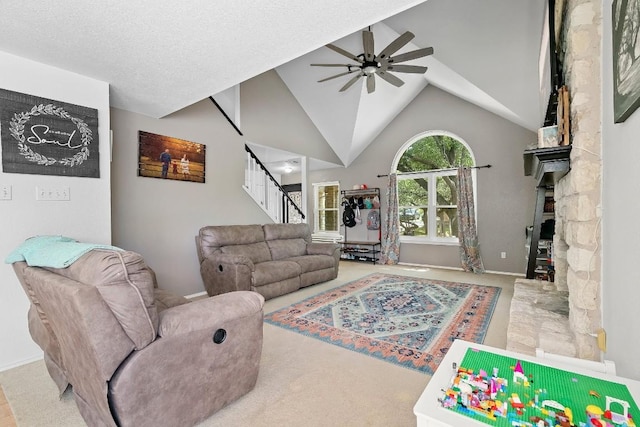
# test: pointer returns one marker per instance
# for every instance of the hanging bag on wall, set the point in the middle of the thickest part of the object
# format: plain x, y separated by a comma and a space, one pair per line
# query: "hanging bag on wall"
373, 220
348, 216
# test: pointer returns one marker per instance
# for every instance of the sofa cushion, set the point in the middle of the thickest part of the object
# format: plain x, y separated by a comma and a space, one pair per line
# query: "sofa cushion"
256, 252
287, 248
287, 231
125, 284
313, 262
275, 271
234, 240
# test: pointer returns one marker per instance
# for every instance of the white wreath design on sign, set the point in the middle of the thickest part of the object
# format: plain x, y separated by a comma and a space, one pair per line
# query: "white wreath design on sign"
16, 128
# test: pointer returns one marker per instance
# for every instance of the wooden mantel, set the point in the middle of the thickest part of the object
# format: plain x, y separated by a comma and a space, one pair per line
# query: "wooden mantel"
547, 165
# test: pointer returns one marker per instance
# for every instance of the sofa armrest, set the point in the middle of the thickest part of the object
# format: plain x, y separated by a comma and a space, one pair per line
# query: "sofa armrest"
322, 248
209, 313
222, 273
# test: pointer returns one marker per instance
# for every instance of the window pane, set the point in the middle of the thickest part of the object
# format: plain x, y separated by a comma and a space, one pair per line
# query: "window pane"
328, 220
413, 192
413, 221
434, 152
413, 196
328, 197
447, 222
446, 187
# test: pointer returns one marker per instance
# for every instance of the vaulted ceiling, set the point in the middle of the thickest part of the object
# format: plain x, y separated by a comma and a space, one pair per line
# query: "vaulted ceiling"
161, 56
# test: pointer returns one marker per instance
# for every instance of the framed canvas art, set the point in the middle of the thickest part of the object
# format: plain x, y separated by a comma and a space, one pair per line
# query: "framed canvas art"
166, 157
626, 61
47, 137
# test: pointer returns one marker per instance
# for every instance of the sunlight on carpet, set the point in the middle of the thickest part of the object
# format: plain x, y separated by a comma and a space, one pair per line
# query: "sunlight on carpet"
407, 321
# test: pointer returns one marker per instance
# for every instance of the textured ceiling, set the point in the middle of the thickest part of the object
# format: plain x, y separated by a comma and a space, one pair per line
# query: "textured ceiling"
161, 56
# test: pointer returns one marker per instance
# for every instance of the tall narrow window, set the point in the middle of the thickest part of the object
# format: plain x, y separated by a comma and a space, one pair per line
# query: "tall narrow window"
326, 209
427, 184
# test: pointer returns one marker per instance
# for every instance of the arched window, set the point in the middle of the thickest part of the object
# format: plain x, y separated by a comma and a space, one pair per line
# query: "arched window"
427, 182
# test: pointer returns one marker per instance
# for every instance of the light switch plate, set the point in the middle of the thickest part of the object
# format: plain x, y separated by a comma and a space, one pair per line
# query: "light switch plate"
5, 192
57, 193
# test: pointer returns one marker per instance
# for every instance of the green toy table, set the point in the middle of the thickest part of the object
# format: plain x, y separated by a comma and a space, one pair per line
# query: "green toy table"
536, 386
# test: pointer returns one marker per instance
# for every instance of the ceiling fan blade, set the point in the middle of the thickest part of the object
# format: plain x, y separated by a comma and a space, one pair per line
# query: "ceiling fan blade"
414, 54
337, 75
367, 43
407, 69
390, 78
334, 65
351, 82
371, 83
396, 45
345, 53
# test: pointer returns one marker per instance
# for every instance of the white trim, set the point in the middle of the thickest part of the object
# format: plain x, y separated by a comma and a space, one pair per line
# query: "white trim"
417, 240
196, 295
442, 267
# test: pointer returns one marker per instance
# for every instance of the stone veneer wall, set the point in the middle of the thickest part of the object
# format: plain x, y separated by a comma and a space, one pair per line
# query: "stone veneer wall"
577, 240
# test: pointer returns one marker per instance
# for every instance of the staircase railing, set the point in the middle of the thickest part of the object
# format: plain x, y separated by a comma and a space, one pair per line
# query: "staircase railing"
266, 191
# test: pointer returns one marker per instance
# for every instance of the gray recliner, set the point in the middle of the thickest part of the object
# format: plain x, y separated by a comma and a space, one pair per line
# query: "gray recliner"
136, 355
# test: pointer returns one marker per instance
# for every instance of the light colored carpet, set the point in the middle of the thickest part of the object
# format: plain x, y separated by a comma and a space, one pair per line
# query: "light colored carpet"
302, 381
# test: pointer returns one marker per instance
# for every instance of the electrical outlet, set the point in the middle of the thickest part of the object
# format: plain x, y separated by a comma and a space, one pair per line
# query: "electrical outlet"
52, 193
5, 192
503, 255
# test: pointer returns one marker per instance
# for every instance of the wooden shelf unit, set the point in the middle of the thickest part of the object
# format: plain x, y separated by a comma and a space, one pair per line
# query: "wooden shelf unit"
547, 166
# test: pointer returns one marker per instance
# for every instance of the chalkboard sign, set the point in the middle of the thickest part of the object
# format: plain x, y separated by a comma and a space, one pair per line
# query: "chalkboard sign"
46, 137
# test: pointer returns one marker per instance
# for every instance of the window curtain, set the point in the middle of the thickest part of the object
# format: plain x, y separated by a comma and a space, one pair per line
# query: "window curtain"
467, 233
391, 239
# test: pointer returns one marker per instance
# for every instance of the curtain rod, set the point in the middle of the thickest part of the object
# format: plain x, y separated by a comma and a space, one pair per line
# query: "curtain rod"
436, 170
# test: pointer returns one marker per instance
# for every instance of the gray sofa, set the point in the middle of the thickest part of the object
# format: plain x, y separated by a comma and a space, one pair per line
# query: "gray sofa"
136, 355
271, 259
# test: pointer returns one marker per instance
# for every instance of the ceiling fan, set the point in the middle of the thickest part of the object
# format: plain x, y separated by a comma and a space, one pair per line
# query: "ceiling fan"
383, 64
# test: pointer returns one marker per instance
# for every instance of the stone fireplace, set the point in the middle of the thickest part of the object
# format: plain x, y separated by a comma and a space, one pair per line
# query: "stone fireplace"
565, 315
578, 195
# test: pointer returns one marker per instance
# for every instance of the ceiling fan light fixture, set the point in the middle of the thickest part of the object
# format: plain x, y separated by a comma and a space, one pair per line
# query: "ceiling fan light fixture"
370, 69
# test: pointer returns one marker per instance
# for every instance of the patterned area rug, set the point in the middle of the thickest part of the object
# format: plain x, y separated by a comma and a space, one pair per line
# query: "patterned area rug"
403, 320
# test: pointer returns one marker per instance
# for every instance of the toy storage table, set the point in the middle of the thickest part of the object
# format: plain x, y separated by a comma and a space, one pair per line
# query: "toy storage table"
430, 412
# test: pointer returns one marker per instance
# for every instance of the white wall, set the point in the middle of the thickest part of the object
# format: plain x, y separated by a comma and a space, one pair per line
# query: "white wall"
86, 217
621, 227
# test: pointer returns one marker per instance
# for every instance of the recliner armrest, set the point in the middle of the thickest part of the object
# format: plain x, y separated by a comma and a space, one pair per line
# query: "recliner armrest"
322, 248
209, 313
222, 273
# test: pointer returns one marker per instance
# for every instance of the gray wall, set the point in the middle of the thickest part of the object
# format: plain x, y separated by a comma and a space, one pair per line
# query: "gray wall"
620, 225
505, 195
159, 218
272, 116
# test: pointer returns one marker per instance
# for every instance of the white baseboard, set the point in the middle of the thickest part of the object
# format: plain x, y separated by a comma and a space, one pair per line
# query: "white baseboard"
22, 362
442, 267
